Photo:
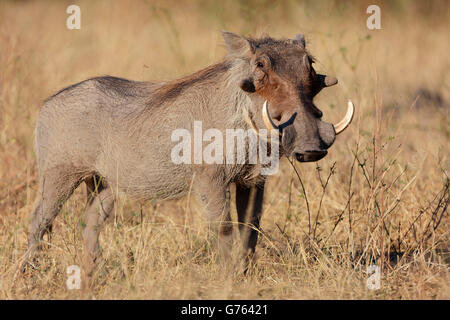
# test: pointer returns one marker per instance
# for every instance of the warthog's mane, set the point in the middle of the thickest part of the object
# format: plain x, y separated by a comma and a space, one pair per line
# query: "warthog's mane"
172, 89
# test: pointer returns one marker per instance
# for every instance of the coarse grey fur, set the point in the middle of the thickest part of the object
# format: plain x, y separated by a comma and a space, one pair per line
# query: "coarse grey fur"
115, 134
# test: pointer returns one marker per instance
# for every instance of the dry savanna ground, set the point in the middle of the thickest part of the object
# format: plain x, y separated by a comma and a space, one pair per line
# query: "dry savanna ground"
379, 198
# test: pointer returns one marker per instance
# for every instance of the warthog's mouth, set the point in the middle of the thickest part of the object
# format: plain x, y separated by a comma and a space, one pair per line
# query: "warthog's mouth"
310, 156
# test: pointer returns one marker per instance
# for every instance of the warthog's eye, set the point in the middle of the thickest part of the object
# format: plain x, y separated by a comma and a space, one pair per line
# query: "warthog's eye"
259, 64
247, 85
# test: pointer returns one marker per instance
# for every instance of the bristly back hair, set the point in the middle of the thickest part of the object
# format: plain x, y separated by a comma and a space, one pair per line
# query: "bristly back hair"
172, 89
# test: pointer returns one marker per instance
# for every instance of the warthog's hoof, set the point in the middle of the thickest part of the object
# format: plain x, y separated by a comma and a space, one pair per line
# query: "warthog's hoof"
249, 261
29, 264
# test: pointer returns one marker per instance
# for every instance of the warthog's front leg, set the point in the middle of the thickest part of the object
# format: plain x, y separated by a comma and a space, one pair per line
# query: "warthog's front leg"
216, 199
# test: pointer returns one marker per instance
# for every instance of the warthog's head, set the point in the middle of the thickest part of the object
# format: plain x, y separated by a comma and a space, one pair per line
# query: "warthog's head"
280, 73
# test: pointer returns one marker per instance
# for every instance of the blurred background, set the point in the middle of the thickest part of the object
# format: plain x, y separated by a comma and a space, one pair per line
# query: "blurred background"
380, 196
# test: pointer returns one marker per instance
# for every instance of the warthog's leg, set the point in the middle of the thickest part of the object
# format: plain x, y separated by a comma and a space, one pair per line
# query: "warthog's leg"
100, 206
216, 199
249, 203
56, 186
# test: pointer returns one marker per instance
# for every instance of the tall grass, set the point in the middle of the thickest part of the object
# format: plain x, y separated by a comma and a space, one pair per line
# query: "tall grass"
380, 196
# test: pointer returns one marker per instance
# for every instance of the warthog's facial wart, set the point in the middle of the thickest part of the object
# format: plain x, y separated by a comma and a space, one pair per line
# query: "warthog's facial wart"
282, 83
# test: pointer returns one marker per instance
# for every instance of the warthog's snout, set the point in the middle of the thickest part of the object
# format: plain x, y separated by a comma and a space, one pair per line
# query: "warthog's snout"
307, 142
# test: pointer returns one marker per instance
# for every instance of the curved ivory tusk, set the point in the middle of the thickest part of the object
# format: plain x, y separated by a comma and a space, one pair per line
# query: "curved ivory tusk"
341, 125
267, 119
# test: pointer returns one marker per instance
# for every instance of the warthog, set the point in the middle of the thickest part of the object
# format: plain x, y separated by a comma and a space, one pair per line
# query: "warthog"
112, 133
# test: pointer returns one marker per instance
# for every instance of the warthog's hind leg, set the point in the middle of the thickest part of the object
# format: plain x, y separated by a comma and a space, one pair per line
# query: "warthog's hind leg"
100, 206
56, 186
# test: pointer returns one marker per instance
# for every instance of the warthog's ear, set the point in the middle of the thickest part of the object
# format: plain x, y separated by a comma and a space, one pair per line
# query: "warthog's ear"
236, 45
300, 39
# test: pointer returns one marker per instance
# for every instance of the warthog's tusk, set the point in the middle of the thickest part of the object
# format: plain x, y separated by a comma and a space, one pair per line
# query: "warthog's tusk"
341, 125
270, 125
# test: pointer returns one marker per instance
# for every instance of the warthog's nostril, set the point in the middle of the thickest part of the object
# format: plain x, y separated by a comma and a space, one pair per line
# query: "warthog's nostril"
310, 155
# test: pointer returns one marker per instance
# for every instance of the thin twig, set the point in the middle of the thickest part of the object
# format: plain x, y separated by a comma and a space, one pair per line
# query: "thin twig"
306, 198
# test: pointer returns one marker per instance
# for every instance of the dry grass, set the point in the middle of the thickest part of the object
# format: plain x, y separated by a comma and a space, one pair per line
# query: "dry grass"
379, 197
